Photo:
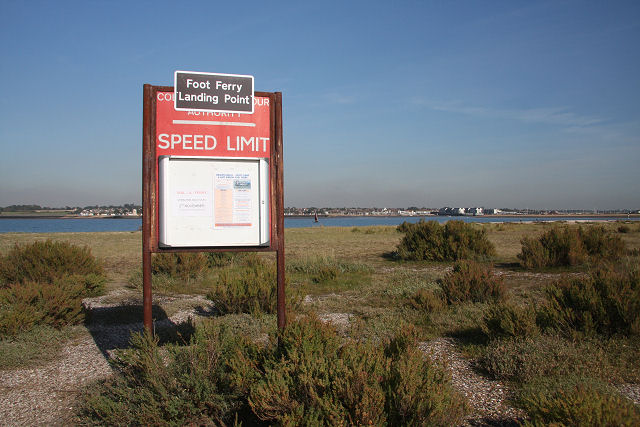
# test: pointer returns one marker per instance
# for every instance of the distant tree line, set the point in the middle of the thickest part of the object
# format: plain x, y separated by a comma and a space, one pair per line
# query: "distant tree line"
33, 208
22, 208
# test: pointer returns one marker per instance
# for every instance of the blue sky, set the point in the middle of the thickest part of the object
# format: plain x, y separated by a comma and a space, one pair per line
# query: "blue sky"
487, 103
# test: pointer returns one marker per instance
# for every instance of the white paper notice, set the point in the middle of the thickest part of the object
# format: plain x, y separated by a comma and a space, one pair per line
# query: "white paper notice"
232, 200
191, 202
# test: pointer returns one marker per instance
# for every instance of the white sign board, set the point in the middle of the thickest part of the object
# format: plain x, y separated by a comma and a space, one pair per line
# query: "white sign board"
208, 202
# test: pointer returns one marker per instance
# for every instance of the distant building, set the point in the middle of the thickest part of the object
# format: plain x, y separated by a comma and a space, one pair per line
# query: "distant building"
451, 211
474, 211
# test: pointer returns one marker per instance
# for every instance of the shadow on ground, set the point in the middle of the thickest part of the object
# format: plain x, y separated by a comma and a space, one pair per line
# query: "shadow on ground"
112, 326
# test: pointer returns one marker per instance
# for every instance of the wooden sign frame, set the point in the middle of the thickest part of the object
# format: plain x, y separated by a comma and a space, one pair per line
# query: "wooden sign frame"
150, 231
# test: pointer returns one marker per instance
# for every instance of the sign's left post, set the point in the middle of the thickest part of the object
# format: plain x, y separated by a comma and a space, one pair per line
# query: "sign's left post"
148, 205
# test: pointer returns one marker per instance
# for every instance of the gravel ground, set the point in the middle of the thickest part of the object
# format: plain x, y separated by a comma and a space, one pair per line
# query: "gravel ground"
487, 398
47, 395
631, 391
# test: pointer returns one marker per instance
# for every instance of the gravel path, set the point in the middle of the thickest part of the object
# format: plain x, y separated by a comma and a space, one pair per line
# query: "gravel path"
46, 395
487, 398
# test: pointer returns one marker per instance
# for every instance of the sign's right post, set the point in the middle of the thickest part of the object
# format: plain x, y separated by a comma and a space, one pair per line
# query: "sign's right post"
279, 197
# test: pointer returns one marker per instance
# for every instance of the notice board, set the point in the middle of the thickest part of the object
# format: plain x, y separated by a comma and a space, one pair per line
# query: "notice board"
193, 156
208, 200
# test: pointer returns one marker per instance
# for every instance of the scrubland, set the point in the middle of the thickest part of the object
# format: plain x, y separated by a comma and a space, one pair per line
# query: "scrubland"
550, 310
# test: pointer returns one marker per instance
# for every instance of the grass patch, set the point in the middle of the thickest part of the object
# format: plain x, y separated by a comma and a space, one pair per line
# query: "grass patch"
194, 273
35, 347
325, 274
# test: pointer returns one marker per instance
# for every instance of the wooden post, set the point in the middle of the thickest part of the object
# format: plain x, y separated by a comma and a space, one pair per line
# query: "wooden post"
282, 309
147, 190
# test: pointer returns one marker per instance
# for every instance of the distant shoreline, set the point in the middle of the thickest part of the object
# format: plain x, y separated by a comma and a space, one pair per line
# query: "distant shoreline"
70, 217
473, 216
524, 216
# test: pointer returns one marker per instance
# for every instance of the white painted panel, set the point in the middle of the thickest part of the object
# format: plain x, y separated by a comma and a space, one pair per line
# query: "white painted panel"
209, 202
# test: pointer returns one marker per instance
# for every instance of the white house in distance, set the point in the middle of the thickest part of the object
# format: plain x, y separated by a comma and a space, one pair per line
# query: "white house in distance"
474, 211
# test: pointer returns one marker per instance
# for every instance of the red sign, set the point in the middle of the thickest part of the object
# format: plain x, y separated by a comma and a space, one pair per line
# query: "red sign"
211, 134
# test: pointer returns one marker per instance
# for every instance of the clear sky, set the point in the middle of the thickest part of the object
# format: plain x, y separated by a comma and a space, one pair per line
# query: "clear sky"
430, 103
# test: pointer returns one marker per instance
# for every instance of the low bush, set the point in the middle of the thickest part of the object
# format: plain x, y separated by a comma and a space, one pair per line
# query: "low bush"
172, 385
606, 301
26, 305
453, 241
46, 261
250, 290
427, 300
471, 281
183, 266
405, 226
313, 377
624, 229
503, 320
524, 359
570, 246
579, 404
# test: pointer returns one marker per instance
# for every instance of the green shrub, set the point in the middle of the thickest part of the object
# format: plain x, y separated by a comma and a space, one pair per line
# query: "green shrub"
624, 229
431, 241
523, 359
581, 404
312, 378
471, 281
26, 305
316, 379
250, 290
183, 266
606, 301
570, 246
601, 243
173, 385
46, 261
504, 320
427, 300
405, 226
